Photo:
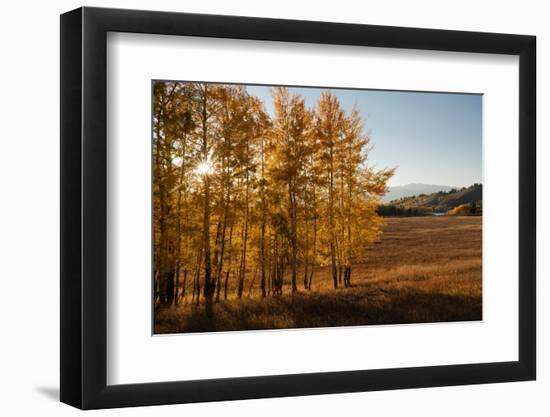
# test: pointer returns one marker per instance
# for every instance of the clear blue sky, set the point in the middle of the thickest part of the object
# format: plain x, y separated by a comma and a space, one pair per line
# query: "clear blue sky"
432, 138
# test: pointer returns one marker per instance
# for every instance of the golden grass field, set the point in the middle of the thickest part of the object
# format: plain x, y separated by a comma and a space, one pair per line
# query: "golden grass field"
423, 269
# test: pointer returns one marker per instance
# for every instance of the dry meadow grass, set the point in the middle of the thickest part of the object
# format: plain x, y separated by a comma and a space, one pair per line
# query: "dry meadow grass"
423, 269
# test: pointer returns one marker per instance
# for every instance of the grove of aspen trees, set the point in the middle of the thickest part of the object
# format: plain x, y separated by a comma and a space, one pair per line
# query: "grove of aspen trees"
247, 203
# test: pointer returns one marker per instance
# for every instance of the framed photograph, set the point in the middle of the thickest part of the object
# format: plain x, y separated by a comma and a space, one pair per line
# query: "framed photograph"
256, 208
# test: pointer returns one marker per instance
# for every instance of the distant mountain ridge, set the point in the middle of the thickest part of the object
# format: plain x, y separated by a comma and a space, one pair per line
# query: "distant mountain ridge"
413, 189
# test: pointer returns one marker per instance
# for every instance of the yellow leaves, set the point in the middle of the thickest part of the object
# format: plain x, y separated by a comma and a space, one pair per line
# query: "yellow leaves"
469, 209
294, 186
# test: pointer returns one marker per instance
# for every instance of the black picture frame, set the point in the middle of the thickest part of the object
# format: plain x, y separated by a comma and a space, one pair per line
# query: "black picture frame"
84, 207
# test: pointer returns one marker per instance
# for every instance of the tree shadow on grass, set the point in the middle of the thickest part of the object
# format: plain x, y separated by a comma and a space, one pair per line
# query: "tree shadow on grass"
343, 308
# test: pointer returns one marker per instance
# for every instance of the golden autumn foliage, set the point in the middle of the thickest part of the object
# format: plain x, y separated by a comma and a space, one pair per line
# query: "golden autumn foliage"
470, 209
247, 202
